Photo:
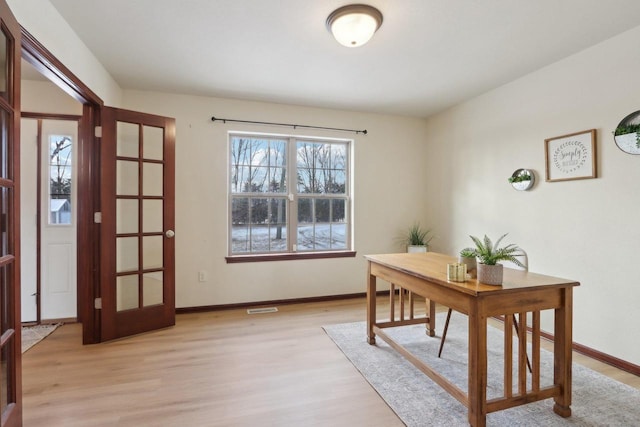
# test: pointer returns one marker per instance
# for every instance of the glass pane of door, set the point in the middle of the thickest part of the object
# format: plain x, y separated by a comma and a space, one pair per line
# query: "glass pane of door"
127, 292
4, 146
153, 143
153, 288
126, 254
152, 179
152, 216
127, 178
4, 65
127, 216
127, 143
6, 322
152, 254
4, 222
4, 371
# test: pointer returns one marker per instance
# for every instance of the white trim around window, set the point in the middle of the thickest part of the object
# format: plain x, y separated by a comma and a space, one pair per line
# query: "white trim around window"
289, 197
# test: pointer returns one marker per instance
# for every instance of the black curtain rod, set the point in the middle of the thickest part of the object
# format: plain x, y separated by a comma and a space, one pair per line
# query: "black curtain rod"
287, 124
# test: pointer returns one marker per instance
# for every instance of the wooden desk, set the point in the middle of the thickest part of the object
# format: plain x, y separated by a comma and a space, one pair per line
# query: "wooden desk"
521, 292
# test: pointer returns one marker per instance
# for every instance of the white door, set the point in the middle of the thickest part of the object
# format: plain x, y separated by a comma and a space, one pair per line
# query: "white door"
58, 220
28, 218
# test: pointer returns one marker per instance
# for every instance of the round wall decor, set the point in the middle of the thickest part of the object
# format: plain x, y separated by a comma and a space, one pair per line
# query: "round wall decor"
627, 134
522, 179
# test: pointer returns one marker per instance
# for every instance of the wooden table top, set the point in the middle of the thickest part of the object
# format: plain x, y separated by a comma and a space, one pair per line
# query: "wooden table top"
432, 266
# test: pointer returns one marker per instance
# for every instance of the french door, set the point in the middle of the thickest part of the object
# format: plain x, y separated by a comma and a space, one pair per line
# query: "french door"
137, 223
10, 340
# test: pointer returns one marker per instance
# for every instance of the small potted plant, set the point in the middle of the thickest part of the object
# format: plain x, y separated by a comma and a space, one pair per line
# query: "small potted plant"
468, 257
417, 239
488, 254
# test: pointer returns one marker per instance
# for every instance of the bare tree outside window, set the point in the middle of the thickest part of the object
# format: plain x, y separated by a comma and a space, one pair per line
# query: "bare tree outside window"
60, 169
321, 172
321, 168
258, 175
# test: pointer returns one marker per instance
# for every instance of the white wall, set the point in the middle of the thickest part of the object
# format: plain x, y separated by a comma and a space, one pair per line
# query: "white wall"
388, 196
45, 97
43, 21
585, 230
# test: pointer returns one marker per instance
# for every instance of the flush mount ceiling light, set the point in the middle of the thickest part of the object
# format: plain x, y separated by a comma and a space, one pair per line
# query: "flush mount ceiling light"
355, 24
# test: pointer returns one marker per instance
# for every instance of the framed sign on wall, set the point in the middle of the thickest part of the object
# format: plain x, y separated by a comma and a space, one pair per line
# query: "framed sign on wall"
571, 156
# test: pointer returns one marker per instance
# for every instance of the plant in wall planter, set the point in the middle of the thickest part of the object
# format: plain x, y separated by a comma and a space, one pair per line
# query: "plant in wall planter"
417, 239
522, 179
490, 272
627, 134
629, 129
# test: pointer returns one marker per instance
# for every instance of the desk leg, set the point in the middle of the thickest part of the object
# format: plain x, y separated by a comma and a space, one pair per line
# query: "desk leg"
371, 305
431, 312
562, 354
477, 369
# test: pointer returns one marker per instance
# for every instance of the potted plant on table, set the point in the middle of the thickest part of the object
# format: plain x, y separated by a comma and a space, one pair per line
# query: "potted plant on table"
467, 256
417, 239
490, 272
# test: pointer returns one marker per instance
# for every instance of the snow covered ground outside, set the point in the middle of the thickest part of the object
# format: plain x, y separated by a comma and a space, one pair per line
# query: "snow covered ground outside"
262, 238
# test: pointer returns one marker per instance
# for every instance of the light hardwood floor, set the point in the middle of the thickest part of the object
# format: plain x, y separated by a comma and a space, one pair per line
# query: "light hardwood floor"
223, 368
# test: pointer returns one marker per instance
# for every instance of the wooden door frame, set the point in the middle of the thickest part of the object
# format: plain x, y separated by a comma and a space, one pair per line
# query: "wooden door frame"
88, 238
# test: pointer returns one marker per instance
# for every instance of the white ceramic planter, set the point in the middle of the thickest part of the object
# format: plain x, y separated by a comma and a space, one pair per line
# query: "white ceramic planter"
416, 249
628, 143
471, 264
522, 185
490, 274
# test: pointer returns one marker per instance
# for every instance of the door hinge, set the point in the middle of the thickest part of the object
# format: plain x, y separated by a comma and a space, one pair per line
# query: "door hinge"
97, 217
97, 303
98, 132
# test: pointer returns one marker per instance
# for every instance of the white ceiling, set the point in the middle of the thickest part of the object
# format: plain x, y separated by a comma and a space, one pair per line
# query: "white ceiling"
427, 56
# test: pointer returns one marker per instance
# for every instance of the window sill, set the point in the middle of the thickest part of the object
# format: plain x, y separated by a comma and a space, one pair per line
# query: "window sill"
289, 257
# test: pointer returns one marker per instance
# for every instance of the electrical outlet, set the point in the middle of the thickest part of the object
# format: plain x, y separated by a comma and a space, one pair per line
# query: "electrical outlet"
202, 276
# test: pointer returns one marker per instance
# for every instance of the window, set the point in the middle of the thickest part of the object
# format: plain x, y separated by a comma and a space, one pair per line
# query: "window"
288, 195
60, 164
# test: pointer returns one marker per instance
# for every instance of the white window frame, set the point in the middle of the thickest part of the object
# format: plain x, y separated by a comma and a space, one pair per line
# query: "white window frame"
292, 196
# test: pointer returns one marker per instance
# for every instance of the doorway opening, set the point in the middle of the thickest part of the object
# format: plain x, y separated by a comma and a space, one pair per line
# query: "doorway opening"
49, 219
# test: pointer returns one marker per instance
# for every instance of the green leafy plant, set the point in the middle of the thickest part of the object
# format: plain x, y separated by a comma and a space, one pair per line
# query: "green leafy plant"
520, 177
467, 253
489, 253
625, 129
417, 236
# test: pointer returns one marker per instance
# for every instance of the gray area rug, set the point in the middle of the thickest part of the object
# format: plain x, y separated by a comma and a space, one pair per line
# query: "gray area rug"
597, 399
32, 335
